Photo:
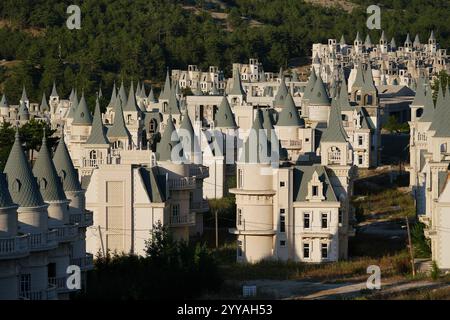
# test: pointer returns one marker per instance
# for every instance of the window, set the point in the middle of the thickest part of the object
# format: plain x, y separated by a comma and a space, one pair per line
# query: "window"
324, 250
239, 248
25, 284
240, 178
315, 191
306, 139
282, 243
340, 216
324, 220
282, 222
239, 217
360, 140
306, 220
360, 159
306, 250
282, 184
175, 210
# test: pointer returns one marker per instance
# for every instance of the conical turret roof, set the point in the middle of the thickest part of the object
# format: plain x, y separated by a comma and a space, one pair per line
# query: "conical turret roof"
118, 129
236, 88
54, 92
5, 197
169, 141
4, 102
122, 96
24, 95
289, 116
310, 85
151, 96
319, 95
98, 132
65, 169
82, 114
173, 105
335, 131
165, 93
428, 110
224, 115
344, 104
113, 100
187, 136
44, 170
44, 105
281, 94
22, 184
257, 147
131, 105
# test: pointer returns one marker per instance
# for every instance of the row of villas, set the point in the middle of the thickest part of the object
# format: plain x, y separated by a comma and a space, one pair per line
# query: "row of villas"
43, 223
429, 167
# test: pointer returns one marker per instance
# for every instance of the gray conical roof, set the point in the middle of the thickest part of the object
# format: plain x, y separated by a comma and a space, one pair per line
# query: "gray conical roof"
165, 93
310, 85
416, 41
344, 104
5, 197
393, 44
316, 59
74, 106
187, 136
151, 96
368, 41
118, 129
281, 94
319, 94
72, 92
169, 141
4, 102
342, 41
44, 105
257, 143
173, 105
65, 169
131, 105
419, 99
357, 38
138, 90
24, 95
224, 115
432, 37
443, 128
98, 132
82, 114
113, 100
369, 85
54, 92
359, 79
272, 135
122, 95
22, 184
214, 90
335, 131
408, 40
236, 88
44, 170
23, 110
289, 116
428, 110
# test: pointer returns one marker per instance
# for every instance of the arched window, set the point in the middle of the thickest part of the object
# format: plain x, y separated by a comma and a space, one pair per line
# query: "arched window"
444, 147
334, 155
93, 155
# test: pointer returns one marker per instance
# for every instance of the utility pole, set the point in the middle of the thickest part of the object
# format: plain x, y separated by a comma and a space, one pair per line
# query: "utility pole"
411, 249
217, 231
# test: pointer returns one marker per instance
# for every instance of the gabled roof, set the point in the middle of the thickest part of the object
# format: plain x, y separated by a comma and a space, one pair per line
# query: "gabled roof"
5, 197
118, 129
98, 131
44, 105
289, 116
224, 115
303, 174
44, 170
428, 109
4, 102
65, 169
319, 95
22, 184
169, 141
82, 115
152, 186
236, 88
131, 105
165, 93
310, 85
335, 131
54, 92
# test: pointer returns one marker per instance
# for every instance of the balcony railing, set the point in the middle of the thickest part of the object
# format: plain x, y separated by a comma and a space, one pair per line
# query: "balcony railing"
76, 218
297, 144
182, 183
183, 219
14, 246
199, 171
60, 283
43, 241
85, 263
49, 294
66, 232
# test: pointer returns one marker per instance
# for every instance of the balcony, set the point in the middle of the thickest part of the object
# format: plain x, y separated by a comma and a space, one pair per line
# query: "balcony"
66, 233
182, 183
182, 220
14, 247
76, 218
85, 263
42, 241
49, 294
291, 144
199, 171
199, 206
60, 284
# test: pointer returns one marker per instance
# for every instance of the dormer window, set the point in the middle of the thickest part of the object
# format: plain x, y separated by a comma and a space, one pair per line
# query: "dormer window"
315, 191
315, 188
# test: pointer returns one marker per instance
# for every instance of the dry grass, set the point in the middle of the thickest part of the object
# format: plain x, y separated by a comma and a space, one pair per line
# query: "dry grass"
346, 5
34, 32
